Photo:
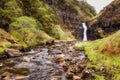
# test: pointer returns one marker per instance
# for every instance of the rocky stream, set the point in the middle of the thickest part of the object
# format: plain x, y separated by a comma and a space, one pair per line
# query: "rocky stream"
60, 61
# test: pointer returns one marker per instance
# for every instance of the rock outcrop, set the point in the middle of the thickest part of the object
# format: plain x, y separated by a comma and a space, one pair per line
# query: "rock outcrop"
12, 53
106, 22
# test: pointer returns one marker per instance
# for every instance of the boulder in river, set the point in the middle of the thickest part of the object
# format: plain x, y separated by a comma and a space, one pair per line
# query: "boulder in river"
12, 52
50, 42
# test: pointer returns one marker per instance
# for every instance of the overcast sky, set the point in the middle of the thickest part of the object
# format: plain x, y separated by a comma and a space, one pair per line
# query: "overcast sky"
99, 4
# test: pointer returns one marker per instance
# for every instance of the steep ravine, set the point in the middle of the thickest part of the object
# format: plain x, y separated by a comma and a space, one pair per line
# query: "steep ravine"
106, 22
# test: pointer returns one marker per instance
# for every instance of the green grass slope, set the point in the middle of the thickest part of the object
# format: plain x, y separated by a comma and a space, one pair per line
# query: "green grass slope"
104, 55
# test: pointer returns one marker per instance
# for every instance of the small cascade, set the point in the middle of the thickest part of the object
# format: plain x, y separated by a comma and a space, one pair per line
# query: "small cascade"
85, 32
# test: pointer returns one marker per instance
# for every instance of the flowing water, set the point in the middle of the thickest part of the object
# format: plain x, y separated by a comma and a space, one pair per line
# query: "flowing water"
85, 32
57, 62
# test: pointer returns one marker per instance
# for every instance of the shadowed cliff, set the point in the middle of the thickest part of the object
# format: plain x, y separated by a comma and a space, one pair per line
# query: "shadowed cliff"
106, 22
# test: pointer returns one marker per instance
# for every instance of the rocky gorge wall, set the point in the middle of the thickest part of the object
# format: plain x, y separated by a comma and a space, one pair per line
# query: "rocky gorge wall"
69, 14
106, 22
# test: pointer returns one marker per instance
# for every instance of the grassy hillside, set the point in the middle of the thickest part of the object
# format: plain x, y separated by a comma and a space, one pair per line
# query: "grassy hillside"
104, 55
33, 22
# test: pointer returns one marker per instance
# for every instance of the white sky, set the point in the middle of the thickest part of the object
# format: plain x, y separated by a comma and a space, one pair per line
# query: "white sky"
99, 4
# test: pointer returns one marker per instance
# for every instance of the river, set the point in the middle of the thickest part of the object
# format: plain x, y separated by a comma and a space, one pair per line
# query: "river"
60, 61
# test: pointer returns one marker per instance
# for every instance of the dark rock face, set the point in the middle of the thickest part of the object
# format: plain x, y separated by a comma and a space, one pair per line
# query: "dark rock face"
68, 16
107, 22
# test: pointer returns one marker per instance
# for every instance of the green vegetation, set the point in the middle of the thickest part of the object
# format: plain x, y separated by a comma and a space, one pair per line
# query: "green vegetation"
104, 55
24, 29
5, 40
85, 10
28, 23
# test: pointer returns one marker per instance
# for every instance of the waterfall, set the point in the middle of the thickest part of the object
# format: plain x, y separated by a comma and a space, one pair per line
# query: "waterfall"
85, 32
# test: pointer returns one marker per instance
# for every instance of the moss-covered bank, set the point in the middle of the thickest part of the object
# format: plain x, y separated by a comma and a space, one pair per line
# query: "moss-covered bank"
104, 55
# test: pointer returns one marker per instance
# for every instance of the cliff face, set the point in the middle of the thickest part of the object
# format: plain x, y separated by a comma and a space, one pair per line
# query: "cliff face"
106, 22
71, 14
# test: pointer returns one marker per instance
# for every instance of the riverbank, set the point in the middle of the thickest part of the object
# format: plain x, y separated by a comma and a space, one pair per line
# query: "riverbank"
104, 56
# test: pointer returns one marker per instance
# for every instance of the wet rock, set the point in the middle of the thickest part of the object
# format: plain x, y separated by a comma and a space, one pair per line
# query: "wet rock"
12, 52
32, 51
58, 45
0, 77
26, 59
20, 77
45, 50
55, 79
71, 49
56, 52
69, 76
76, 78
60, 55
1, 65
68, 58
22, 71
49, 63
10, 63
26, 65
65, 67
50, 42
5, 76
60, 58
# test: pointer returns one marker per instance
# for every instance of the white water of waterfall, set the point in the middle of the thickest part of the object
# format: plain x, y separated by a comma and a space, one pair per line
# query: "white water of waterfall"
85, 32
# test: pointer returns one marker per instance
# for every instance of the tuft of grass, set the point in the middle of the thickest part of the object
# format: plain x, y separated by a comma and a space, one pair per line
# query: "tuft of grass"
104, 53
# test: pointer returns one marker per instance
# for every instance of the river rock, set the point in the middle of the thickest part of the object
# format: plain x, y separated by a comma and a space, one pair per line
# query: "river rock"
20, 77
69, 75
26, 65
12, 52
5, 76
10, 63
71, 49
56, 52
1, 65
49, 63
76, 78
26, 59
54, 79
50, 42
